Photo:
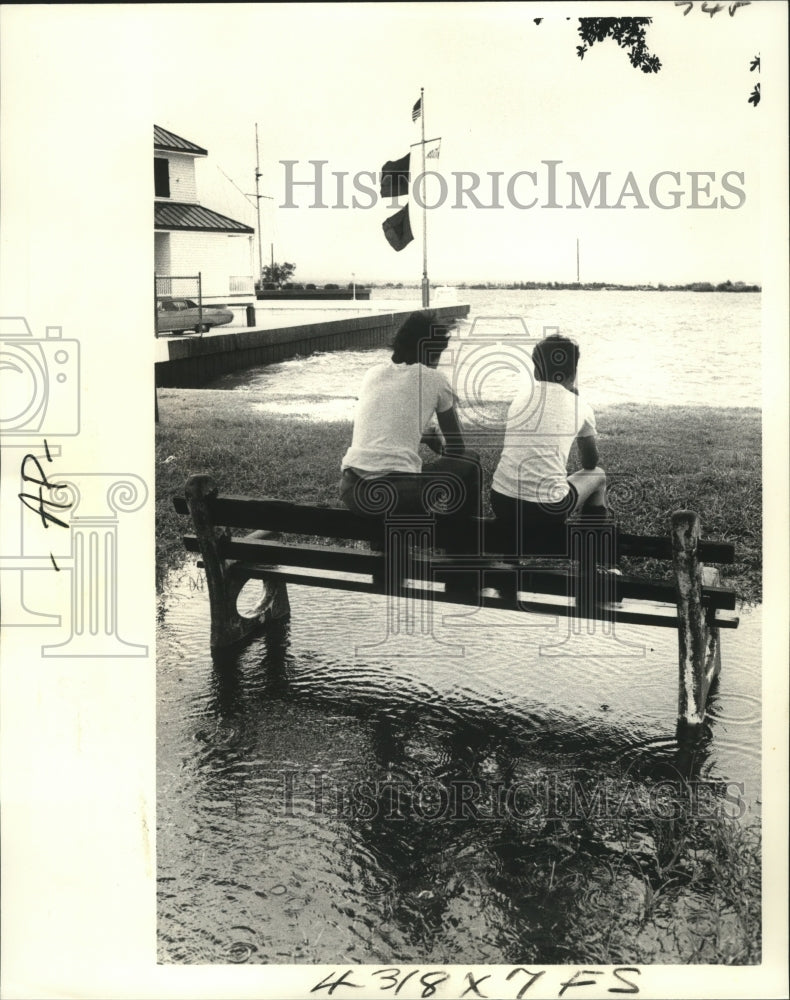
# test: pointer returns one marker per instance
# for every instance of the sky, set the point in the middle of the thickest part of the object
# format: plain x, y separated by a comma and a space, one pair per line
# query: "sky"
338, 82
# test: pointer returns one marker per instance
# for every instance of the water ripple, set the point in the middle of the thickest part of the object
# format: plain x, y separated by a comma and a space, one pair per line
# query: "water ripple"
298, 782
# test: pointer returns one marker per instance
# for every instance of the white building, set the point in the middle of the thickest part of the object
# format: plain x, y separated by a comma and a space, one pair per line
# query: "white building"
190, 238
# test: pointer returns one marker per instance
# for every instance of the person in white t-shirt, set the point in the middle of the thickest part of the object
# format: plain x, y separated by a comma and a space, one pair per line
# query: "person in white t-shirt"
382, 470
531, 487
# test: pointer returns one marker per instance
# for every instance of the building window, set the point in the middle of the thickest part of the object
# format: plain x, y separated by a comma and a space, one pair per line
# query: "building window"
161, 178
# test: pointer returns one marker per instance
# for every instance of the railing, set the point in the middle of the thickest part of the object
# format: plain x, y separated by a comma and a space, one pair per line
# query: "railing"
241, 285
182, 286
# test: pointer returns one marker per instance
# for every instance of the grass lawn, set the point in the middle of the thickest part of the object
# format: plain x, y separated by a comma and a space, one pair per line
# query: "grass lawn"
679, 890
658, 459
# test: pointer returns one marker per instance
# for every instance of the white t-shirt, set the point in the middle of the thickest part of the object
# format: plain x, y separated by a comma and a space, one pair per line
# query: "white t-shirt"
395, 406
542, 423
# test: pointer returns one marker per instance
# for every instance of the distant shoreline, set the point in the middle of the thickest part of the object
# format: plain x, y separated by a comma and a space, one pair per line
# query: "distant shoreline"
583, 286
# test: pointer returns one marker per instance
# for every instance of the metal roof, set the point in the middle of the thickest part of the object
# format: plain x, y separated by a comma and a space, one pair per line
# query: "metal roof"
174, 143
195, 218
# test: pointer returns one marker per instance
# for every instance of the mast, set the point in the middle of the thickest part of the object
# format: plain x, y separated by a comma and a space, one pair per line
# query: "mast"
426, 294
258, 203
577, 260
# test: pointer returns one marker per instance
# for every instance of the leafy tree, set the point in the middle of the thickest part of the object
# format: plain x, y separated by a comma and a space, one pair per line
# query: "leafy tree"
628, 32
754, 97
278, 273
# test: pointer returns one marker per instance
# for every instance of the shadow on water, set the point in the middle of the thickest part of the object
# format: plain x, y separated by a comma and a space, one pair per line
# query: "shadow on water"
384, 825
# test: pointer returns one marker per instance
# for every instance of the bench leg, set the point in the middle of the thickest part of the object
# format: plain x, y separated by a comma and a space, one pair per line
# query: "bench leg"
711, 578
699, 654
228, 627
274, 604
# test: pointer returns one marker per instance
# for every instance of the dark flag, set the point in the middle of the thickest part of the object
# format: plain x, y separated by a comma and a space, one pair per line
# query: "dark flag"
397, 229
395, 177
416, 111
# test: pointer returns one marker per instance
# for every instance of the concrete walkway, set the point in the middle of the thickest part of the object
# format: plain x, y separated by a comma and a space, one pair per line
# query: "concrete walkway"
191, 360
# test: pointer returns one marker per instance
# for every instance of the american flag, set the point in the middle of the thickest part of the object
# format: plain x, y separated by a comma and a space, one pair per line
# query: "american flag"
416, 111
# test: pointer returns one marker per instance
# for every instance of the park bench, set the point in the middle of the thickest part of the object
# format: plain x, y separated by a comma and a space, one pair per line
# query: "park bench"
464, 561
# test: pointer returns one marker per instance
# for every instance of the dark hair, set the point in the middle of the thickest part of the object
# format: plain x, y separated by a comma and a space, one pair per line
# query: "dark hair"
421, 339
556, 358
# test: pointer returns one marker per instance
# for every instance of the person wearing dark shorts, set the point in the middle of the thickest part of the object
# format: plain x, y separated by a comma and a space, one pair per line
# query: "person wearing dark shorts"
531, 492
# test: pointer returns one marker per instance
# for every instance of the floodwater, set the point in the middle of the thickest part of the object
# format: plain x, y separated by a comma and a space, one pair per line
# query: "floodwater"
663, 348
340, 793
376, 784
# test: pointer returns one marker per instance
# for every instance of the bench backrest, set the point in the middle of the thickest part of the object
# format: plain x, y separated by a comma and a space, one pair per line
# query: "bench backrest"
339, 523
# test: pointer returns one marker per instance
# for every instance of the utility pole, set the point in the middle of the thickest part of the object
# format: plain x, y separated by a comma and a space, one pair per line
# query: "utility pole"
257, 196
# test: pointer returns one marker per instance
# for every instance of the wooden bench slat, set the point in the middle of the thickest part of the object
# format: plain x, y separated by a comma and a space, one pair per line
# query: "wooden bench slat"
280, 515
555, 582
314, 556
665, 615
658, 547
338, 522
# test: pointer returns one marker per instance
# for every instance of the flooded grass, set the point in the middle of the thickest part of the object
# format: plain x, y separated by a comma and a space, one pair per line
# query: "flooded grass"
658, 459
568, 885
651, 889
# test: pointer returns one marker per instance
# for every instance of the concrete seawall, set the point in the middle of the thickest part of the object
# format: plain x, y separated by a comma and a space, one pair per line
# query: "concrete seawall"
196, 360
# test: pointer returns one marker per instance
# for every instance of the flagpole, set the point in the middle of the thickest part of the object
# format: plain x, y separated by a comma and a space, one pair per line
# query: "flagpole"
426, 295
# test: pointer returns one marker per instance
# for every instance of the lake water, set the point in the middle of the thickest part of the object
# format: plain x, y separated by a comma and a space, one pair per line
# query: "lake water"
666, 348
339, 793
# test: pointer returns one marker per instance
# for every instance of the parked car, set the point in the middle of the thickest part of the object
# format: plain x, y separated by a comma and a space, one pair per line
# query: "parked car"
175, 315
